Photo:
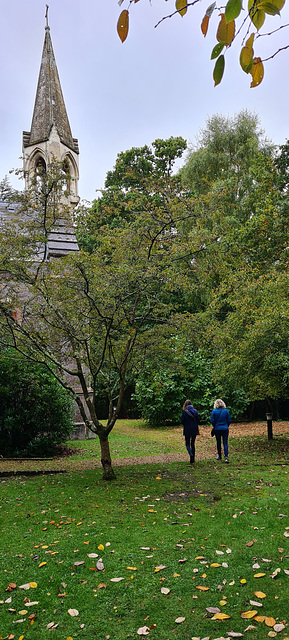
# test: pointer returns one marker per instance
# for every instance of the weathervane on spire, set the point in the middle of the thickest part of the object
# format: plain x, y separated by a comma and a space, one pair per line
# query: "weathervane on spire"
46, 16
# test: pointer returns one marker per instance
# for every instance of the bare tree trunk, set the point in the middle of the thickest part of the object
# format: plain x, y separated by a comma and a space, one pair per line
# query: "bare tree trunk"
108, 473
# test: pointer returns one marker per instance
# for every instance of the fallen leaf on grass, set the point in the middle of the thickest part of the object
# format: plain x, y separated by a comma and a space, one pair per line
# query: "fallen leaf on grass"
78, 563
246, 615
220, 616
180, 620
269, 622
143, 631
250, 544
279, 627
259, 618
234, 634
259, 575
131, 568
213, 610
256, 604
201, 588
160, 567
215, 564
73, 612
92, 555
100, 565
259, 594
41, 565
165, 590
275, 573
101, 585
116, 579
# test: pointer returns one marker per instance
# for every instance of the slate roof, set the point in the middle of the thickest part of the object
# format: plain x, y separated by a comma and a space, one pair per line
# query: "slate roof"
61, 241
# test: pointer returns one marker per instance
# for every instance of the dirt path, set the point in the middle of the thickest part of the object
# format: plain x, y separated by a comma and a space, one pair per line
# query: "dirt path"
205, 448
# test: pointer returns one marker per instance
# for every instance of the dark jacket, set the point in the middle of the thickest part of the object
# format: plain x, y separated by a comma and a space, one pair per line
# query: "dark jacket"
220, 423
190, 420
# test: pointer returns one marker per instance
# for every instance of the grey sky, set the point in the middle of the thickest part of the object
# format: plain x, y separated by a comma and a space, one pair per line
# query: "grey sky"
155, 85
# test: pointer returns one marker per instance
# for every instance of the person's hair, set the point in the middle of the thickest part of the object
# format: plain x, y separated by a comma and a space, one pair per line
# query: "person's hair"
219, 403
186, 404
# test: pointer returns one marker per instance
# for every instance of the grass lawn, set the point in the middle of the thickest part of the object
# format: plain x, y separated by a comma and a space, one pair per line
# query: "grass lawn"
166, 549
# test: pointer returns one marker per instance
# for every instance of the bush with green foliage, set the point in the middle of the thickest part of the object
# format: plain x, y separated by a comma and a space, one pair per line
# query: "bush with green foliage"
36, 412
161, 390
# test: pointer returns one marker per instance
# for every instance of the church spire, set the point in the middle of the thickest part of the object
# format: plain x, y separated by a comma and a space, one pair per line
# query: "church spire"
50, 136
49, 107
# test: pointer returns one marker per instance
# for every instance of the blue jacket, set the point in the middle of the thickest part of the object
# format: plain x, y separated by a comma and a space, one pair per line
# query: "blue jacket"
190, 420
224, 420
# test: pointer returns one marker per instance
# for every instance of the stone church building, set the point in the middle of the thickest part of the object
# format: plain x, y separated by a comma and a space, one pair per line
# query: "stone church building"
49, 138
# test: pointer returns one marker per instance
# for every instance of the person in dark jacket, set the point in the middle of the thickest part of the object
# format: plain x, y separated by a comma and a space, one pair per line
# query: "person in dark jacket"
220, 420
190, 420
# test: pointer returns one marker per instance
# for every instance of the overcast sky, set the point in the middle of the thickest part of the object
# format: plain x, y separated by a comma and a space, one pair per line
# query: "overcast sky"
155, 85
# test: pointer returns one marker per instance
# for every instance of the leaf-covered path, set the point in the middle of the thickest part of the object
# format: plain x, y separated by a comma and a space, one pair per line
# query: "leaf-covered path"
205, 449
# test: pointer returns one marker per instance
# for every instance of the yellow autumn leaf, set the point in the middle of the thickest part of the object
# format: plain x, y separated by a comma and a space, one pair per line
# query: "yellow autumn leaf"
259, 575
131, 568
33, 585
215, 564
246, 615
176, 575
226, 30
200, 558
69, 638
223, 603
220, 616
243, 581
204, 25
201, 588
259, 594
100, 547
23, 612
150, 510
42, 564
269, 622
257, 73
123, 24
259, 618
21, 637
181, 6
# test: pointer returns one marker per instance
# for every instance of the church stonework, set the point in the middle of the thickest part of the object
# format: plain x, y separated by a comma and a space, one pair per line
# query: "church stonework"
50, 135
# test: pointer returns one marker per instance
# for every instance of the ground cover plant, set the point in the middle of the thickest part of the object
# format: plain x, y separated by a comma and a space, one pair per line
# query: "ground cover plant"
166, 551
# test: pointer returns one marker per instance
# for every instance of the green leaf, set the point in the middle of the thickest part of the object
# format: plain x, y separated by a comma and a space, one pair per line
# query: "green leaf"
210, 9
246, 59
256, 15
269, 8
233, 9
217, 50
219, 70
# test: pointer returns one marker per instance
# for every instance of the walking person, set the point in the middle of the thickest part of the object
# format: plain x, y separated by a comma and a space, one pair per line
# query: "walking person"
220, 420
190, 420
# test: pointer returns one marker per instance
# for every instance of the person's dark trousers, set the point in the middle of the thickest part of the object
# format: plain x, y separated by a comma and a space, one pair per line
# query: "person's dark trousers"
222, 433
190, 445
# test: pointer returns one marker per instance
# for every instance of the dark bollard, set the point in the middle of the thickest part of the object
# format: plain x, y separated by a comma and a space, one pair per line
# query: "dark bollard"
269, 417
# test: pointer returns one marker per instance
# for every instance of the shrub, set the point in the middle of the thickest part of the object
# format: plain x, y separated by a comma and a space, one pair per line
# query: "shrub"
36, 412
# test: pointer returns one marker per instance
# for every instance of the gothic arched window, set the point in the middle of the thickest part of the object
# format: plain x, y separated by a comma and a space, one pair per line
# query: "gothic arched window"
40, 166
67, 170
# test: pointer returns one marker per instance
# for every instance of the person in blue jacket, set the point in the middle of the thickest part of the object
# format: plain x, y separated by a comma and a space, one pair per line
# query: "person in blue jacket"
220, 420
190, 420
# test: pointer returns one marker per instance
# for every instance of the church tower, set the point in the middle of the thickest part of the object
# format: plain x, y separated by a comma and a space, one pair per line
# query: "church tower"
50, 135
